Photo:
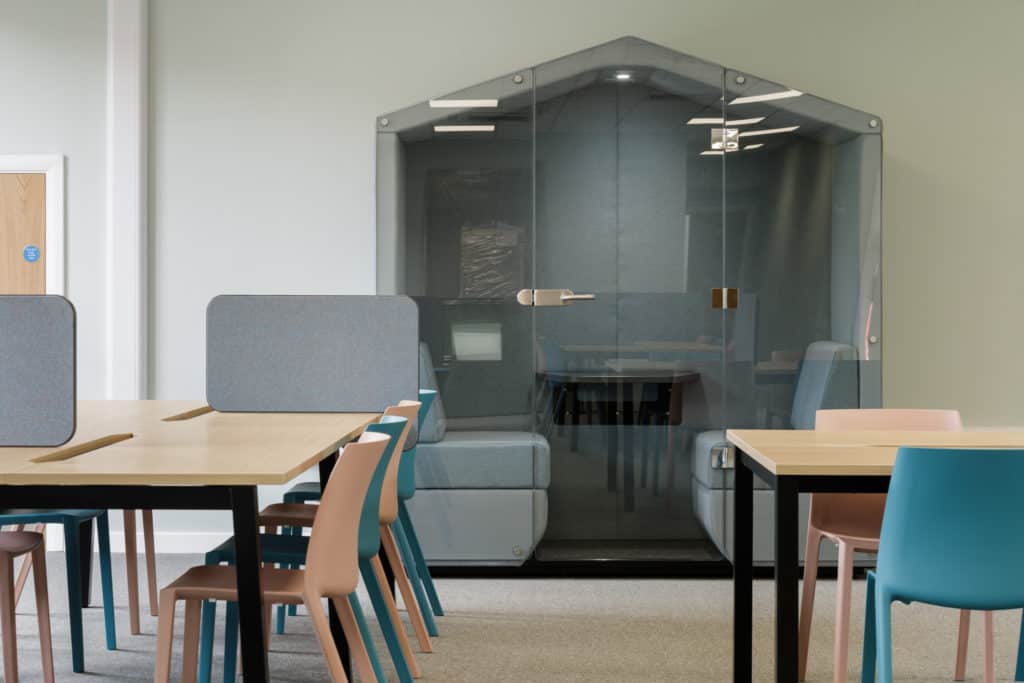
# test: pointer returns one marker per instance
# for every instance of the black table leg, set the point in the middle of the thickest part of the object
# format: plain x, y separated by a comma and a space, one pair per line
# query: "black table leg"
743, 573
628, 454
340, 642
573, 400
787, 569
611, 419
85, 560
244, 510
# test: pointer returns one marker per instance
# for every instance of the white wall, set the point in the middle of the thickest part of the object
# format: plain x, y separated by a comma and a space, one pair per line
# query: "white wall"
53, 101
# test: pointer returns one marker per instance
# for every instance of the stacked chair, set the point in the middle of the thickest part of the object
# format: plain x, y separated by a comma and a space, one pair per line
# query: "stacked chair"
854, 523
332, 571
380, 529
405, 533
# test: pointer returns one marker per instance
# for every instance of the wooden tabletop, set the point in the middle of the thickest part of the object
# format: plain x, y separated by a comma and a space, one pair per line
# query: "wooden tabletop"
182, 443
854, 453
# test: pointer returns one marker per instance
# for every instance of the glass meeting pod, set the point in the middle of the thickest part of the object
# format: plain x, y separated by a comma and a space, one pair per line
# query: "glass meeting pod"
608, 276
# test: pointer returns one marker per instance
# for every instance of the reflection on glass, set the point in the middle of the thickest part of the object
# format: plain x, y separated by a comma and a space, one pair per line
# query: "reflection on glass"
646, 178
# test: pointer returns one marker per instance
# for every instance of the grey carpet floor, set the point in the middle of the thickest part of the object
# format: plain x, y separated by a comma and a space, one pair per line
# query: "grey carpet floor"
547, 630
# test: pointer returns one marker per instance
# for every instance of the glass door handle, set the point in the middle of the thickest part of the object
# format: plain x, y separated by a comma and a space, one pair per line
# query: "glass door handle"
550, 297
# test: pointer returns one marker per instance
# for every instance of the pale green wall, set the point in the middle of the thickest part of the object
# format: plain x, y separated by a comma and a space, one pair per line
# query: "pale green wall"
259, 105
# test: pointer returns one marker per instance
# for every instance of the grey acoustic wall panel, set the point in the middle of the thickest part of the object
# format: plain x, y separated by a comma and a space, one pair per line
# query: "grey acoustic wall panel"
37, 370
310, 353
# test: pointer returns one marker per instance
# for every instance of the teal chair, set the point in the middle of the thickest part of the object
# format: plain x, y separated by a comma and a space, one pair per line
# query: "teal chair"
290, 550
405, 532
950, 537
71, 521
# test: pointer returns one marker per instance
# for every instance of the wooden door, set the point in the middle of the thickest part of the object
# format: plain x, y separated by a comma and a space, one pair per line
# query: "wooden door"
22, 233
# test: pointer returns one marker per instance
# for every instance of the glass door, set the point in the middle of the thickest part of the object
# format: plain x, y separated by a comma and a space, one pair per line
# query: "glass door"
628, 247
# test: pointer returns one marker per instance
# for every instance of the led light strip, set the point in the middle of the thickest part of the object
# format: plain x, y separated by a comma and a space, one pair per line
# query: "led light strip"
767, 131
463, 104
706, 121
767, 97
482, 128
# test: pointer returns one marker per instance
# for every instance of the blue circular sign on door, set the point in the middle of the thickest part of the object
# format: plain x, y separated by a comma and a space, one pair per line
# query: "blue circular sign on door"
31, 253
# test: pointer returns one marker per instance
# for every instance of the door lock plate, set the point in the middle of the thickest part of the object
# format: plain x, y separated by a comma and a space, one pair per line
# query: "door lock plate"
725, 297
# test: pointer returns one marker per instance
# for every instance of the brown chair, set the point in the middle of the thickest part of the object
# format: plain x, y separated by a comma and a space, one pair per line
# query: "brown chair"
331, 571
12, 545
303, 515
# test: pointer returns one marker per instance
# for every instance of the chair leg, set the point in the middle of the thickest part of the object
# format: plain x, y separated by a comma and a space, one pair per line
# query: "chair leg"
364, 632
417, 585
7, 621
883, 633
164, 638
990, 655
43, 610
387, 540
811, 556
72, 555
322, 628
230, 642
293, 610
208, 623
867, 668
962, 636
357, 646
131, 563
844, 581
107, 579
390, 622
148, 540
421, 563
190, 656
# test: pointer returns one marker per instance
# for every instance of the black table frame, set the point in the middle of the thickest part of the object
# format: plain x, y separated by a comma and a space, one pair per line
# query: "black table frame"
787, 558
244, 506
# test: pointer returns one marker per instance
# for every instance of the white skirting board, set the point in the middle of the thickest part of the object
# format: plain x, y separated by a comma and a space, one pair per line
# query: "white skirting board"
167, 542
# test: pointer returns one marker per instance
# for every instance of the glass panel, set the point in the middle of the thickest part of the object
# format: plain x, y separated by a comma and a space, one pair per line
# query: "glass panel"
455, 231
627, 209
802, 245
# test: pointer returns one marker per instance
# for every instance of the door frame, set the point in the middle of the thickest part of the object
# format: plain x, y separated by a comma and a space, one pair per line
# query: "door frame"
53, 166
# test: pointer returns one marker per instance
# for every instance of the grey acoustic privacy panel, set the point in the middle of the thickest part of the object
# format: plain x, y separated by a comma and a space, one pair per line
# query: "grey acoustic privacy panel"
310, 353
37, 370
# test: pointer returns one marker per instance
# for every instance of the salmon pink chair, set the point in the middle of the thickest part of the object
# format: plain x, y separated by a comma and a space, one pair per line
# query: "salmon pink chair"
332, 571
14, 544
853, 521
302, 515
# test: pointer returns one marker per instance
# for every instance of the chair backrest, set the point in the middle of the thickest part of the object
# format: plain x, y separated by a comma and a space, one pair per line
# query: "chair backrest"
952, 528
407, 468
831, 509
906, 419
332, 565
827, 379
369, 518
434, 426
389, 493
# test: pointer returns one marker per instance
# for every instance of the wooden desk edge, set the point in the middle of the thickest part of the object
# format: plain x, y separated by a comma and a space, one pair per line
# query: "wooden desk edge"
30, 476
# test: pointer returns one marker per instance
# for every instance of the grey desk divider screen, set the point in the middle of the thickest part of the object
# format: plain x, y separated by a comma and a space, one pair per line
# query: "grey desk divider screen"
311, 353
37, 370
